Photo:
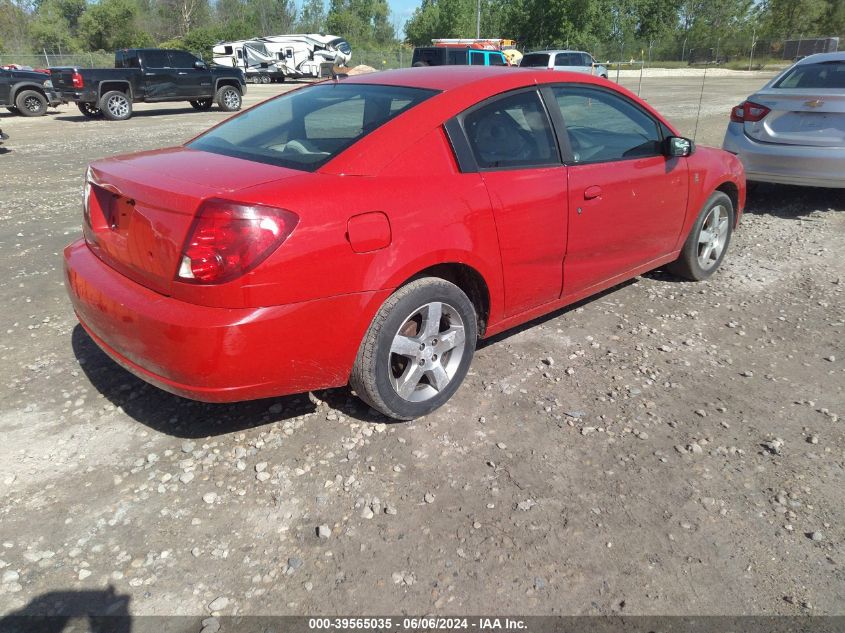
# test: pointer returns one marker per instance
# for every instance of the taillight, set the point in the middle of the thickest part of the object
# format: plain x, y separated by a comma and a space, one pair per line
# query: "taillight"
86, 199
228, 239
77, 80
749, 112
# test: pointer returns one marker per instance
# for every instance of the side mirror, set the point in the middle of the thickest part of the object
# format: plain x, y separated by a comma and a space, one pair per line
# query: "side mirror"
678, 146
200, 65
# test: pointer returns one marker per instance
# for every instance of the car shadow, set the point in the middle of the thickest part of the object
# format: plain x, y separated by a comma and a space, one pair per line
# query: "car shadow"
792, 202
503, 336
5, 150
105, 611
179, 417
79, 118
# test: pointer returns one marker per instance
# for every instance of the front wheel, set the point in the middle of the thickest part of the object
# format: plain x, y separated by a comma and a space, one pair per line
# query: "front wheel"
116, 105
417, 350
202, 104
229, 99
708, 240
89, 110
31, 103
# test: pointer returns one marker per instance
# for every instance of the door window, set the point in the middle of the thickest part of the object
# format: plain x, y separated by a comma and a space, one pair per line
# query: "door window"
182, 59
457, 57
476, 59
512, 131
602, 126
567, 59
497, 60
156, 59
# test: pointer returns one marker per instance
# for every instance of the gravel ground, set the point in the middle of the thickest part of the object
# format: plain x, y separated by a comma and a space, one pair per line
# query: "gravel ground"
663, 448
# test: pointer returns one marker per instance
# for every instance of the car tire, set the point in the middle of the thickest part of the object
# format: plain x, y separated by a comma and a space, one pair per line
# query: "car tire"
31, 103
116, 105
405, 353
89, 110
228, 98
202, 104
708, 240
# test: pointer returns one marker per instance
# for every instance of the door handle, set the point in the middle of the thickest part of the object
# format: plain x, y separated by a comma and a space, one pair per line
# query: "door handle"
182, 73
592, 192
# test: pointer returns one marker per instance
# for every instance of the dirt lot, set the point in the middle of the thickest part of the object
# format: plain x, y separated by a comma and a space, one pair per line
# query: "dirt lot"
664, 448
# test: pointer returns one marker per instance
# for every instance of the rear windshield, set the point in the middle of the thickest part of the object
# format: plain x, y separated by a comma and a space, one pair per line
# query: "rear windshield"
821, 75
535, 60
306, 128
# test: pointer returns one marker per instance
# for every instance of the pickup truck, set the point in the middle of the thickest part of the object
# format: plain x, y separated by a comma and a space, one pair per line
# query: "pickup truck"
26, 92
150, 75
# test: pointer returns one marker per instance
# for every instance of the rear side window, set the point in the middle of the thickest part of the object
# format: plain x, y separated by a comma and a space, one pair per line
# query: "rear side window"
512, 131
535, 60
306, 128
567, 59
476, 59
602, 126
457, 57
822, 75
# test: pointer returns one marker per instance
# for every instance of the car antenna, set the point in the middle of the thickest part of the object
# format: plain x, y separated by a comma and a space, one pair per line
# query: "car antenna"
700, 98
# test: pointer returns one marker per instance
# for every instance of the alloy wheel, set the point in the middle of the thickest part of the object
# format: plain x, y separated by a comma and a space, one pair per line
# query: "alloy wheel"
712, 237
426, 352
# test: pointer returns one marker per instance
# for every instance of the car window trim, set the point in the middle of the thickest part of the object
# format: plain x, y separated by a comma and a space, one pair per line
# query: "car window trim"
461, 148
563, 138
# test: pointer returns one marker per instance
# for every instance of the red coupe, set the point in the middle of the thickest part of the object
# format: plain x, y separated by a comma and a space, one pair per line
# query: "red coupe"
369, 231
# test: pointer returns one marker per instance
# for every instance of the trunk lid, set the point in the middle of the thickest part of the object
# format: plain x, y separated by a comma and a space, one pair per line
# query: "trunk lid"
141, 207
800, 117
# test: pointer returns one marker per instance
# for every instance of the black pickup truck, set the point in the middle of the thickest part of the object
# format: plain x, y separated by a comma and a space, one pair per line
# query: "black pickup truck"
151, 75
26, 92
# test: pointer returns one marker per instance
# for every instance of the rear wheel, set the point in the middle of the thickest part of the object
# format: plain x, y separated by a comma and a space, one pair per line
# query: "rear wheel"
89, 110
31, 103
229, 99
708, 240
417, 350
202, 104
116, 105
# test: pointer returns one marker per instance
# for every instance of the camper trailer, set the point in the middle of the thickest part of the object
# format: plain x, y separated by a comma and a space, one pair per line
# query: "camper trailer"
275, 57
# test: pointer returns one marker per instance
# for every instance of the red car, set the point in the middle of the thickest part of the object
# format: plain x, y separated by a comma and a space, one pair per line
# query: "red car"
369, 231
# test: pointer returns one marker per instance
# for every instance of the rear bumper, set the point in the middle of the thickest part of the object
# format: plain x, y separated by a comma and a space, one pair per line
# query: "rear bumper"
786, 164
217, 354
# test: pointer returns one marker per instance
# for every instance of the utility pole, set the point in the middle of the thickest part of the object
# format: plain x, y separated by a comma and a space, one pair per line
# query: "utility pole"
478, 20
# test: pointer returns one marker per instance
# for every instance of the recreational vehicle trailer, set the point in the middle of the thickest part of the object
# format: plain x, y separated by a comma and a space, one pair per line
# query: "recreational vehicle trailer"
275, 57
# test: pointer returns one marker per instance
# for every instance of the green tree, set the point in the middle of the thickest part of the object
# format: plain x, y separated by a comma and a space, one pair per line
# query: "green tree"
112, 24
312, 17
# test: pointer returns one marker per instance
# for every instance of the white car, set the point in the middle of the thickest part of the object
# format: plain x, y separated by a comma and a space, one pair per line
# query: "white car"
572, 61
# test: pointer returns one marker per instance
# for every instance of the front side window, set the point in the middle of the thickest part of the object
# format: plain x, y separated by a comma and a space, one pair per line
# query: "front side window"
156, 59
822, 75
602, 126
509, 132
497, 60
535, 60
182, 59
306, 128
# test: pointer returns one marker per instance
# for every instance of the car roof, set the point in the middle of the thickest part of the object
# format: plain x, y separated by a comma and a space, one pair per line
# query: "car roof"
822, 57
444, 78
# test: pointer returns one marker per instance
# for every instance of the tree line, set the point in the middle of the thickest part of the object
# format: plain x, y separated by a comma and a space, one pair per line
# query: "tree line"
669, 29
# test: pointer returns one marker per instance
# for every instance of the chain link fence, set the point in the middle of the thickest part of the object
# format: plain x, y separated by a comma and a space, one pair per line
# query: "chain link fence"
735, 51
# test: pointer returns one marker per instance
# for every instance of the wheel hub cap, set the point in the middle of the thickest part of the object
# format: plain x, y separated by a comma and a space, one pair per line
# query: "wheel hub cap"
426, 352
